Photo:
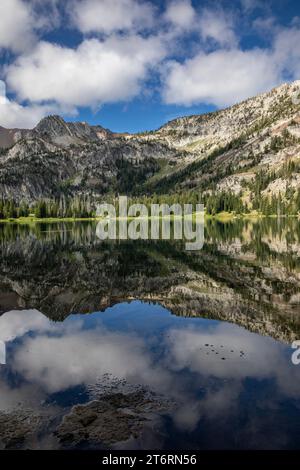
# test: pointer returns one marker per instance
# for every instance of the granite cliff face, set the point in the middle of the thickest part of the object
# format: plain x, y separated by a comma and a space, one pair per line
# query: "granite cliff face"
76, 159
55, 130
223, 150
63, 134
201, 133
229, 148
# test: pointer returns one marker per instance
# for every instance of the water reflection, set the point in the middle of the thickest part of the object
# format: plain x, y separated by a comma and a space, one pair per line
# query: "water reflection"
203, 362
214, 375
247, 272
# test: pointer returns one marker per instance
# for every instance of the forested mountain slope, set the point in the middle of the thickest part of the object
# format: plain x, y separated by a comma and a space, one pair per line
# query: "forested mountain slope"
250, 151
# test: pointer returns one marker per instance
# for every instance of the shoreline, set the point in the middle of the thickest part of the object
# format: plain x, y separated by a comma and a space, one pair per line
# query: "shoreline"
222, 217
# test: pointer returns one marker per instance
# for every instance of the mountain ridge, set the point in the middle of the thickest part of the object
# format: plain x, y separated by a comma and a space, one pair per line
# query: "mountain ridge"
222, 151
44, 122
55, 128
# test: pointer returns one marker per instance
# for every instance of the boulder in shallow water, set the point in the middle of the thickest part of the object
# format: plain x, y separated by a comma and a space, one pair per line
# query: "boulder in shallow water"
108, 420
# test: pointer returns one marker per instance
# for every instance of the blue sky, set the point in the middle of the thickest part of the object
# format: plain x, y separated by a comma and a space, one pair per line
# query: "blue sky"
132, 65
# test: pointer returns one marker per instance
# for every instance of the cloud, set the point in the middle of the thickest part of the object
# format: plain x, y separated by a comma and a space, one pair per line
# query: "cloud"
60, 356
21, 22
214, 26
263, 358
12, 324
248, 6
227, 73
57, 356
265, 25
47, 13
287, 51
16, 25
222, 77
108, 16
217, 26
180, 13
96, 72
57, 363
14, 115
126, 42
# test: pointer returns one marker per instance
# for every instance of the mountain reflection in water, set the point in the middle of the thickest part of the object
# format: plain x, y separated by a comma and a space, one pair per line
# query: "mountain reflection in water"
184, 350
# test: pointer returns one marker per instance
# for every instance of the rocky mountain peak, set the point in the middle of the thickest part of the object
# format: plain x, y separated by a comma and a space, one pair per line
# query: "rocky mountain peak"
200, 133
226, 150
52, 124
60, 132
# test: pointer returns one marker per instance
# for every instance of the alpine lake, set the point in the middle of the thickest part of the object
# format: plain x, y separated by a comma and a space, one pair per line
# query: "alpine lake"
144, 345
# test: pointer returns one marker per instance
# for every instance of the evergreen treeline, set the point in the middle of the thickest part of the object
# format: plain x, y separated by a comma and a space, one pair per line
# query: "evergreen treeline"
214, 203
130, 175
226, 201
77, 207
278, 205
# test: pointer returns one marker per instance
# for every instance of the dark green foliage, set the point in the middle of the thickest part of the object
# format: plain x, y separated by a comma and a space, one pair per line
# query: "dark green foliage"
224, 201
281, 205
200, 166
40, 210
130, 174
78, 207
23, 210
282, 141
261, 182
8, 209
287, 170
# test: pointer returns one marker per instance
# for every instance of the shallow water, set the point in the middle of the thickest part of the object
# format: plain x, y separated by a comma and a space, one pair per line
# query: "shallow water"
176, 349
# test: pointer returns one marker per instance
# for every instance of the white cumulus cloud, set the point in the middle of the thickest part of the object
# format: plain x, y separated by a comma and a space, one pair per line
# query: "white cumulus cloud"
228, 75
217, 26
181, 13
96, 72
16, 25
287, 51
107, 16
22, 22
15, 115
126, 42
221, 77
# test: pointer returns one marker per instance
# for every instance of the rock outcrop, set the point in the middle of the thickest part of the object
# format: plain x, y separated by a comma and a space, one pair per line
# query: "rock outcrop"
206, 152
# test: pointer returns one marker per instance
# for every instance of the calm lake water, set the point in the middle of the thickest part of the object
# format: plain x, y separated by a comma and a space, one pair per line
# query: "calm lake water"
143, 345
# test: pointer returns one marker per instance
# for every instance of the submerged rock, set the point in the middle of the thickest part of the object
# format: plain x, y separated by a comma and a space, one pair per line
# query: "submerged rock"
110, 419
16, 428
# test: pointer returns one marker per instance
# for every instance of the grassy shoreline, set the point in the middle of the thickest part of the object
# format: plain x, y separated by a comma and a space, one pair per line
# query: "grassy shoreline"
222, 216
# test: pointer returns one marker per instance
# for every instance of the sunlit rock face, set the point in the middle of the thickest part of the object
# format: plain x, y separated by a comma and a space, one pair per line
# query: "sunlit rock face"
224, 150
80, 158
